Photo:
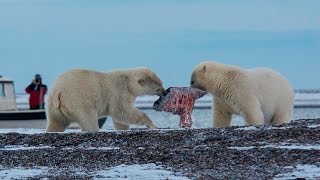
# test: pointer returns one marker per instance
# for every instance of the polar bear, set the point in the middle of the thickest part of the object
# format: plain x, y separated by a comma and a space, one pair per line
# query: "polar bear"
83, 96
260, 95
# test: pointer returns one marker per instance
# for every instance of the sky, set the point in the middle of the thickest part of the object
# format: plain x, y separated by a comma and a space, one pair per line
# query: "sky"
169, 36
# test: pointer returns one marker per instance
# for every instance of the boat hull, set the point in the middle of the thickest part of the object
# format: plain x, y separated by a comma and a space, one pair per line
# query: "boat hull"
30, 119
23, 115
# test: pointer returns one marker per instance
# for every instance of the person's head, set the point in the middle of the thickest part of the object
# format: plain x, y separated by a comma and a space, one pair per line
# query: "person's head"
37, 78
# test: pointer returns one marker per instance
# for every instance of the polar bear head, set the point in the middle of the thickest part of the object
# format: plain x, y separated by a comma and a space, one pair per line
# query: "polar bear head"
208, 75
142, 81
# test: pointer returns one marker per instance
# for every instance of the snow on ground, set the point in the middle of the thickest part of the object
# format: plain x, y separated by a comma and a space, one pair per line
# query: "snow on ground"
301, 147
301, 171
41, 131
136, 171
25, 147
32, 131
101, 148
21, 173
314, 126
248, 128
21, 147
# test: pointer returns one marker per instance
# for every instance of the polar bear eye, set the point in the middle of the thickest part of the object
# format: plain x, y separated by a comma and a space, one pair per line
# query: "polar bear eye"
141, 82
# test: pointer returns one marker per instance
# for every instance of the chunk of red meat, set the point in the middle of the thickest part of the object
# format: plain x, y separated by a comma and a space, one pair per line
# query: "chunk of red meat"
180, 101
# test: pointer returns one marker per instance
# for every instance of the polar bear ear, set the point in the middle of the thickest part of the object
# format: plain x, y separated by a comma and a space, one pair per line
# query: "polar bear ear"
204, 68
142, 82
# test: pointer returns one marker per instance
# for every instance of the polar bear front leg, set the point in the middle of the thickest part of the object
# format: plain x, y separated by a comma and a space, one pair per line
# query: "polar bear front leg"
139, 117
145, 120
119, 126
222, 117
254, 116
133, 116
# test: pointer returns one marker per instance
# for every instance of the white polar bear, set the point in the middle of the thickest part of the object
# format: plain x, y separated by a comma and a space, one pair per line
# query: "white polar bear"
83, 96
260, 95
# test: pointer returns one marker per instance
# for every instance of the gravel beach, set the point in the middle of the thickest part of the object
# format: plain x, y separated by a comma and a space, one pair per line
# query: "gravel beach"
264, 152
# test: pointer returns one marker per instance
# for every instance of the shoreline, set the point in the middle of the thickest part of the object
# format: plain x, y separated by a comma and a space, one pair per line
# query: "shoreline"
262, 152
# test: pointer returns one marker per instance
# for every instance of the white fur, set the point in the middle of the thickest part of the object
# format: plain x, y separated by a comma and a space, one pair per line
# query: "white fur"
83, 96
261, 95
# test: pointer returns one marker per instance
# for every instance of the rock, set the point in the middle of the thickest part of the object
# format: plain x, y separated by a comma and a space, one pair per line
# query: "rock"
261, 152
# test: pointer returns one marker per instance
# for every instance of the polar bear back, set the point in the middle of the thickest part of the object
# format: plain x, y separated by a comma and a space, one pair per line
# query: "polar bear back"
273, 91
80, 84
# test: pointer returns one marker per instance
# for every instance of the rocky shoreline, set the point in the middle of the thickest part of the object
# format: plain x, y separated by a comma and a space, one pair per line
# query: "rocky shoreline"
262, 152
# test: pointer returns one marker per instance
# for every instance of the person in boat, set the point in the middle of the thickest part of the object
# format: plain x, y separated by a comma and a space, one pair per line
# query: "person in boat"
37, 91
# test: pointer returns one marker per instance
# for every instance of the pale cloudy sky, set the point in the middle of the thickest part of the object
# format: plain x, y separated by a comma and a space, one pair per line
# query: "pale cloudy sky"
169, 36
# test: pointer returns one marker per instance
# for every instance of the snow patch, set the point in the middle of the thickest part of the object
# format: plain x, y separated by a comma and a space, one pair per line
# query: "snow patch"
300, 147
243, 148
273, 127
138, 171
22, 131
314, 126
301, 171
21, 147
42, 131
247, 128
22, 173
101, 148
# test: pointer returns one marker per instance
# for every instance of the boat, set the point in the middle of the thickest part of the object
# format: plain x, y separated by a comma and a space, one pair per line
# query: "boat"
13, 117
10, 116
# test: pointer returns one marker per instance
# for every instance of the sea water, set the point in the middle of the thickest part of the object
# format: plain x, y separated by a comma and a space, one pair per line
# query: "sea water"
202, 117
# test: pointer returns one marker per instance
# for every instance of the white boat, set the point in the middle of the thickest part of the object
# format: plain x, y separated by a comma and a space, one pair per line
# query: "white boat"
13, 117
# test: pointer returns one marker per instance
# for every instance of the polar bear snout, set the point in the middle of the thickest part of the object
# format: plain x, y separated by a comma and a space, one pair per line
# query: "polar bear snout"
160, 91
192, 83
195, 84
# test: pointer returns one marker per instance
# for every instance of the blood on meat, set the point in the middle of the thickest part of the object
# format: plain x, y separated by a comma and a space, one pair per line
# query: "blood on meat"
180, 101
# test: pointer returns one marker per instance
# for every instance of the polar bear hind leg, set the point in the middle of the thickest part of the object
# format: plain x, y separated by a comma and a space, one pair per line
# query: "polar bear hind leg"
88, 121
57, 122
280, 118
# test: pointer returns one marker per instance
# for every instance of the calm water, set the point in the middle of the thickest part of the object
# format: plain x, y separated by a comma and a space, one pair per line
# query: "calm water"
202, 118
